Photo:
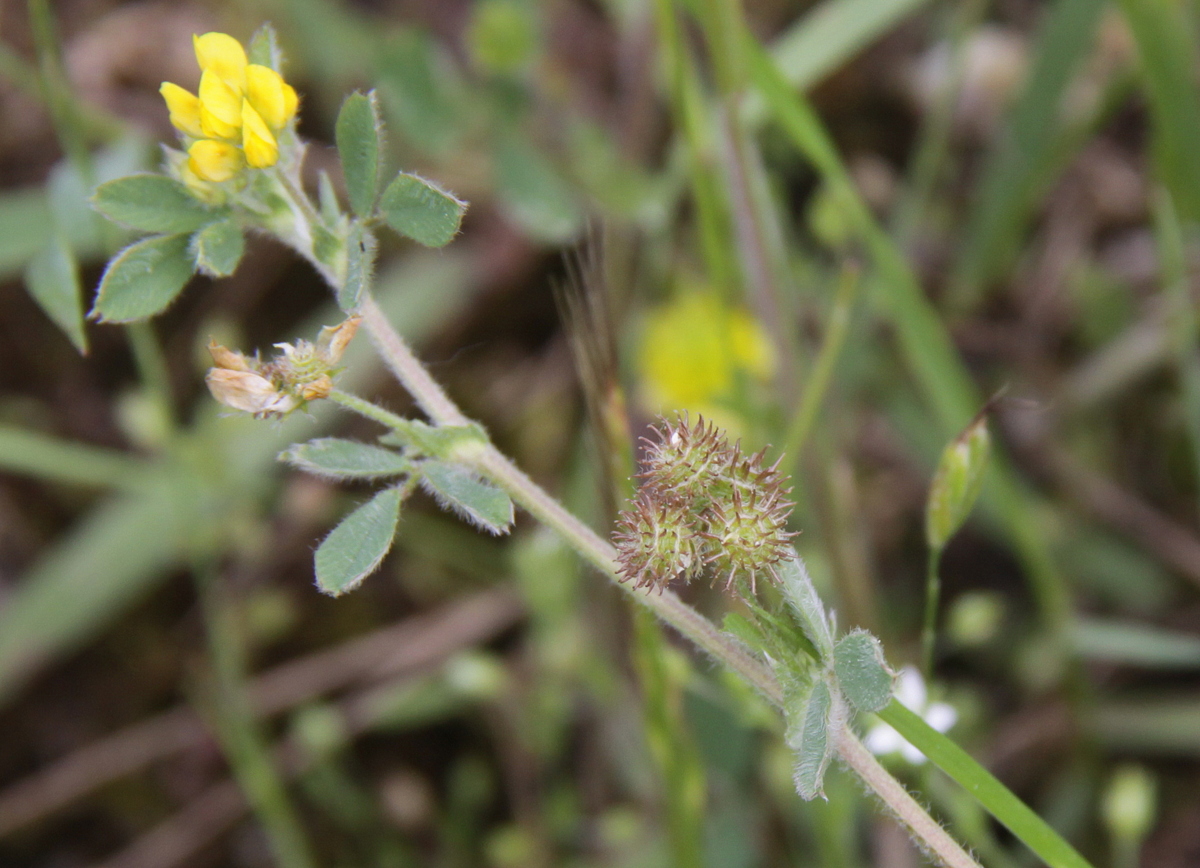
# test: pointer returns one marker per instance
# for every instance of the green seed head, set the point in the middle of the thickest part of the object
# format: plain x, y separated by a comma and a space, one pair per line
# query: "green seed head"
703, 508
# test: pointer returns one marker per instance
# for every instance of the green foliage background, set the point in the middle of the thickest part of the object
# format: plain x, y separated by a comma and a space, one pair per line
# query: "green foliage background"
1030, 227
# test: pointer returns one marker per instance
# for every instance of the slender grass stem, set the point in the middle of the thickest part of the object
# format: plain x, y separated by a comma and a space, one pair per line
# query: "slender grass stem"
933, 589
817, 384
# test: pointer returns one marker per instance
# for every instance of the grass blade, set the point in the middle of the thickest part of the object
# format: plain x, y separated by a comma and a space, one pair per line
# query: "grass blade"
1016, 816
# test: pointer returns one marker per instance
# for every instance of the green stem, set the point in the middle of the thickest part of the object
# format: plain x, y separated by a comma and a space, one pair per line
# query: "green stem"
371, 411
901, 802
817, 385
493, 465
933, 589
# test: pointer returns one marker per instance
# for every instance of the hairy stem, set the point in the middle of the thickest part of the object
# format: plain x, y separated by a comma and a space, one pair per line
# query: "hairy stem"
600, 553
907, 809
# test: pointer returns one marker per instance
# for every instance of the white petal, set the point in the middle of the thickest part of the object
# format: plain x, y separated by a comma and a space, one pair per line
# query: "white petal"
941, 716
910, 689
911, 754
882, 740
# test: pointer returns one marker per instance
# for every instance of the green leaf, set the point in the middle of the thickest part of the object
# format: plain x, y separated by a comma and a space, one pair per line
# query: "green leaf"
152, 203
422, 211
461, 491
52, 278
999, 801
335, 458
1133, 644
360, 146
423, 90
534, 193
1165, 37
143, 279
802, 596
437, 441
218, 247
51, 459
360, 267
810, 734
863, 674
354, 549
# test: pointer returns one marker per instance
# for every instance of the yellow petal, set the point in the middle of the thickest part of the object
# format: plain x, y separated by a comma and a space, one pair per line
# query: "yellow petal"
220, 108
214, 161
265, 90
290, 102
223, 55
184, 107
261, 148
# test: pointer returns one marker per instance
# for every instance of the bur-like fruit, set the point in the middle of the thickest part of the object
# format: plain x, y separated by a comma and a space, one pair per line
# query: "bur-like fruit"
703, 509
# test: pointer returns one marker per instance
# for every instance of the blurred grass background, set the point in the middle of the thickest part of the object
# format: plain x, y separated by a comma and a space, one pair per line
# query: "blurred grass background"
836, 226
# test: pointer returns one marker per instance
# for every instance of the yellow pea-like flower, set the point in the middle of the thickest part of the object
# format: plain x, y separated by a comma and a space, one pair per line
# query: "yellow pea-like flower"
267, 93
215, 161
224, 56
290, 101
257, 140
220, 107
184, 107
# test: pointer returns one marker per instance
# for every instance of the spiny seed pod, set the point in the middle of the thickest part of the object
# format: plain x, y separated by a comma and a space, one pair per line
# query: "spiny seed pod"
655, 541
748, 535
686, 459
703, 508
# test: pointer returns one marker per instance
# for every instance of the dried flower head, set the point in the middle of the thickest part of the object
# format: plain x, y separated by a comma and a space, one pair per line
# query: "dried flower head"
703, 508
302, 372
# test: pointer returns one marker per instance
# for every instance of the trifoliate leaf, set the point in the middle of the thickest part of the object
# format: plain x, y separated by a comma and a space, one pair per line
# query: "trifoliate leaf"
862, 672
334, 458
461, 491
360, 146
421, 211
52, 278
360, 267
152, 203
811, 734
143, 279
802, 596
354, 549
218, 247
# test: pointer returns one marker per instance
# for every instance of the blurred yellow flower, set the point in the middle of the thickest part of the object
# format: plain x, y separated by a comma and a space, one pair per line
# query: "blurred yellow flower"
695, 351
240, 107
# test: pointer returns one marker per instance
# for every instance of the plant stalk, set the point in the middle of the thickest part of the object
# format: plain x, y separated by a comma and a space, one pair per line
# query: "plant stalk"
933, 589
495, 466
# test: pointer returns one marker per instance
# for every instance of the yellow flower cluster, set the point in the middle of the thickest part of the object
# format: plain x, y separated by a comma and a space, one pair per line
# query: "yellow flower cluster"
240, 109
695, 352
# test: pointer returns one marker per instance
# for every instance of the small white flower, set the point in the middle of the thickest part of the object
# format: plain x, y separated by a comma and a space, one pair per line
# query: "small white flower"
910, 691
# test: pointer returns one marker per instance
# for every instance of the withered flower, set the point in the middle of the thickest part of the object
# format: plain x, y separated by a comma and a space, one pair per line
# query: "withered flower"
302, 372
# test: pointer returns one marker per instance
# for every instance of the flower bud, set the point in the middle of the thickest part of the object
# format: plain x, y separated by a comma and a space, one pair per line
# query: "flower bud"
1128, 805
957, 482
